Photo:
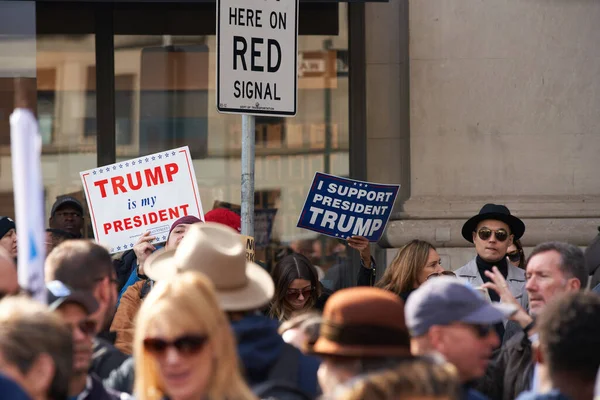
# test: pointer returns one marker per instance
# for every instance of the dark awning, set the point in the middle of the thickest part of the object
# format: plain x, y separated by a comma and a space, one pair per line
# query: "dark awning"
193, 1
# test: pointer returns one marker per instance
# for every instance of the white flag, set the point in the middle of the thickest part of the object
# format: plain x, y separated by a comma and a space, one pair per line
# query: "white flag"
26, 147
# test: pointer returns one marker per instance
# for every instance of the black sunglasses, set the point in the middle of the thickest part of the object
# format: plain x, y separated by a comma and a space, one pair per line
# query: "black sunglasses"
185, 345
481, 329
87, 327
515, 256
293, 294
110, 278
486, 233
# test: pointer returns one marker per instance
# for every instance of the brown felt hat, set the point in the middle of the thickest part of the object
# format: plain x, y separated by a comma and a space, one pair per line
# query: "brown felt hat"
363, 322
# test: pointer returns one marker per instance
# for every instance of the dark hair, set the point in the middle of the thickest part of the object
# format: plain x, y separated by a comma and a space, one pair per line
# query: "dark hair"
291, 267
519, 246
569, 332
80, 264
572, 259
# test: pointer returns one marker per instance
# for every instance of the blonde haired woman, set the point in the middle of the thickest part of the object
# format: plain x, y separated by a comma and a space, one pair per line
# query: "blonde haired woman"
413, 265
184, 348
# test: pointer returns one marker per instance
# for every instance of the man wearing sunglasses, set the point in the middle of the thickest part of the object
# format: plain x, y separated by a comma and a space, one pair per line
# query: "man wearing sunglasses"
492, 231
446, 317
75, 308
84, 265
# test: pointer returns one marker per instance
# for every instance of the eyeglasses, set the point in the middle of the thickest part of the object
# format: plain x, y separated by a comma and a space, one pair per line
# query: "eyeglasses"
112, 279
482, 330
185, 345
443, 273
63, 214
514, 256
294, 294
486, 233
87, 327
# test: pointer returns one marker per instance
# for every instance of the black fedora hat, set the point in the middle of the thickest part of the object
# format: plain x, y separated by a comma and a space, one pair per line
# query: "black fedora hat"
496, 212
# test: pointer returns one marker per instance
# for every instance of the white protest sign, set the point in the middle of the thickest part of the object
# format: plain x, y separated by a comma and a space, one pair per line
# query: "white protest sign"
147, 193
257, 47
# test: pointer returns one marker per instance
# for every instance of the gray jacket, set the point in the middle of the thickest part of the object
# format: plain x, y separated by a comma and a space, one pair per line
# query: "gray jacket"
515, 280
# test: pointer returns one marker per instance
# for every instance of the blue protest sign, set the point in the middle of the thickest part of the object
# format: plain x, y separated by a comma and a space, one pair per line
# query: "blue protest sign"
341, 207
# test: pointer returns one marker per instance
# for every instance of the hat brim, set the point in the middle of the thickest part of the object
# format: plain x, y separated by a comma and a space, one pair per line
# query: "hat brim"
489, 314
256, 294
325, 347
517, 227
88, 303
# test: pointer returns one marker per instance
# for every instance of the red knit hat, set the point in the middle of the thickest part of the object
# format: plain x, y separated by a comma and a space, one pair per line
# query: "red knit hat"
226, 217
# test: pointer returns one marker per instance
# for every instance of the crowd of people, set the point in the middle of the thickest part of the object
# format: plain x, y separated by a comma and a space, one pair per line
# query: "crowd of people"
195, 319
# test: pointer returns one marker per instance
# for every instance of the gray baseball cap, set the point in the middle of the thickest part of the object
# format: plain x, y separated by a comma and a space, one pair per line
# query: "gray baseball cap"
58, 293
442, 301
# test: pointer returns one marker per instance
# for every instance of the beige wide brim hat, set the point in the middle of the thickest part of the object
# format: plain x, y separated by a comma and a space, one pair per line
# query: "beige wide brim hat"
218, 252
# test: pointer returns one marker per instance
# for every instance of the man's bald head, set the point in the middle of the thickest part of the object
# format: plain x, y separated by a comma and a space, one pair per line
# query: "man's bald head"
9, 283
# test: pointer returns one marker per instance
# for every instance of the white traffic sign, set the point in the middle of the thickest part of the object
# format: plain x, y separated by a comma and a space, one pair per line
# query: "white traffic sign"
257, 47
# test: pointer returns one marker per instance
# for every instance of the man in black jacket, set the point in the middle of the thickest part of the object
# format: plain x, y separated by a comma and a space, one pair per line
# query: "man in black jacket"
75, 309
84, 265
553, 268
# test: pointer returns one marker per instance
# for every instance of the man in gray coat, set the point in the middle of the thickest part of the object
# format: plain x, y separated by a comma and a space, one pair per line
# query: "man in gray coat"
493, 231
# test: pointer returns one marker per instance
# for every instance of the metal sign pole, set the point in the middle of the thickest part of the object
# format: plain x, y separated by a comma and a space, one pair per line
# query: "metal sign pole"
248, 148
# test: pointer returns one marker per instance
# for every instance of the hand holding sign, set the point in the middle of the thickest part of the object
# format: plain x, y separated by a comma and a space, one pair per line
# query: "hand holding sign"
142, 249
361, 244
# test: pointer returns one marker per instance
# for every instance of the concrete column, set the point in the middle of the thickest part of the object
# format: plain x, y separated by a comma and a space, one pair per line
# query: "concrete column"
503, 108
388, 133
